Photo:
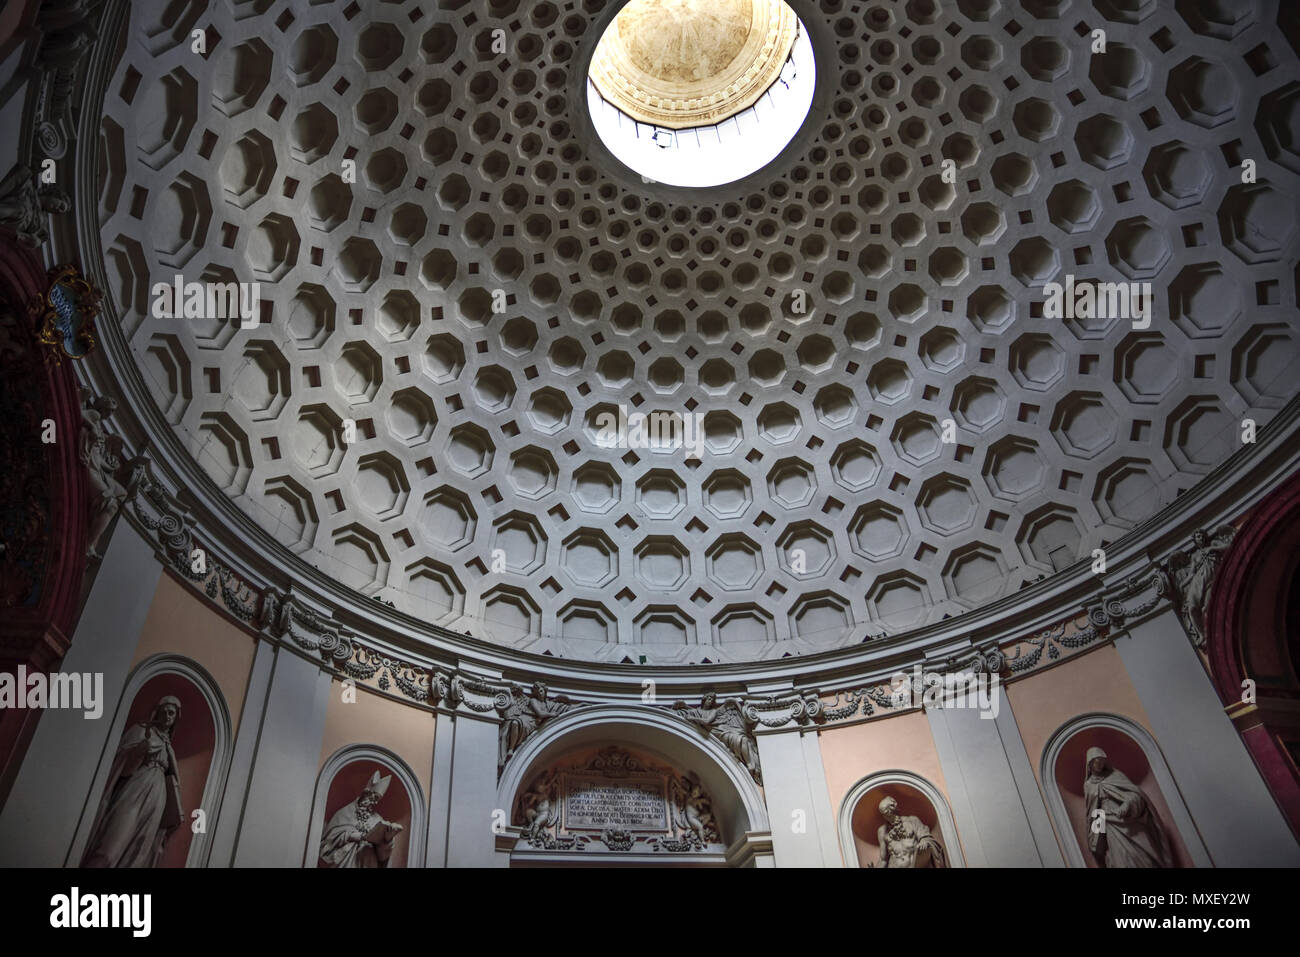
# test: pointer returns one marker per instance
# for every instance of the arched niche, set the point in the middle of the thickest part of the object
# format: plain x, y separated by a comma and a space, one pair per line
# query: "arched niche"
860, 818
1252, 632
737, 802
201, 740
1133, 751
341, 780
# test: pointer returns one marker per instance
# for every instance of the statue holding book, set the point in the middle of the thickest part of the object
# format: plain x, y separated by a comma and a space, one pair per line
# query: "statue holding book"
357, 835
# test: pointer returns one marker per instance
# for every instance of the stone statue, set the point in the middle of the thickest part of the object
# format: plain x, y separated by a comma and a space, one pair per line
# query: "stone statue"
524, 714
141, 803
729, 724
102, 465
1192, 574
692, 810
23, 205
357, 836
905, 840
1132, 835
540, 807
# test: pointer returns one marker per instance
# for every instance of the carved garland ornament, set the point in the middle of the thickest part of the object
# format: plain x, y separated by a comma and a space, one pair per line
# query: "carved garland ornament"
1101, 618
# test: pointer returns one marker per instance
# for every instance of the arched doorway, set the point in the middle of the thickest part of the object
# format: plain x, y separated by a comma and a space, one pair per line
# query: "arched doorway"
1252, 625
618, 784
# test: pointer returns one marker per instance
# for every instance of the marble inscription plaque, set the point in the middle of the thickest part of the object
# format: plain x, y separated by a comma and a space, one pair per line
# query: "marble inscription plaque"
595, 802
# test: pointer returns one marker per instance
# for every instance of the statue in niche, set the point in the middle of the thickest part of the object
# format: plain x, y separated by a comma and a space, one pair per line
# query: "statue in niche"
905, 840
692, 810
1192, 577
525, 713
540, 807
1131, 835
23, 205
729, 724
141, 806
357, 836
102, 465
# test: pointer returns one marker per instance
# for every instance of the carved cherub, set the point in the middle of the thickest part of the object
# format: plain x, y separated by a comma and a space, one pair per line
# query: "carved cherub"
540, 807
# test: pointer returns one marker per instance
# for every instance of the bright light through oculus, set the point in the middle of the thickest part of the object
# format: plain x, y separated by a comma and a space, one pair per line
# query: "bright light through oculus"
701, 92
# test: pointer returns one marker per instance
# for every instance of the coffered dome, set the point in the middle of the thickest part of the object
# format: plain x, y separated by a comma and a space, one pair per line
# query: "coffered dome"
893, 429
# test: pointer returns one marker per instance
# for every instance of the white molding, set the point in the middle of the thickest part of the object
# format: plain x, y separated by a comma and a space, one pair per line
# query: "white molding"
848, 845
415, 835
1182, 821
214, 788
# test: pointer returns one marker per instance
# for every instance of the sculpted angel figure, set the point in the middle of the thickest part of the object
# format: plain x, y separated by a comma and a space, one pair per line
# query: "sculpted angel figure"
23, 205
1193, 576
525, 713
101, 465
905, 840
540, 807
357, 836
729, 725
141, 804
1131, 835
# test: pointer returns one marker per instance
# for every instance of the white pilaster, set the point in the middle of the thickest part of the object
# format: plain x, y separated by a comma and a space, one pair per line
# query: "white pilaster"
999, 821
231, 813
796, 798
472, 796
277, 808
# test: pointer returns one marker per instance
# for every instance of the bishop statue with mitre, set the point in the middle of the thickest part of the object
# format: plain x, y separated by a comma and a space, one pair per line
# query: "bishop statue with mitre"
357, 836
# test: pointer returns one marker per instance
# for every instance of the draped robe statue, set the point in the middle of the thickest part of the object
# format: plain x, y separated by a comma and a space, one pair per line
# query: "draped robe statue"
101, 467
905, 840
357, 836
141, 803
1133, 836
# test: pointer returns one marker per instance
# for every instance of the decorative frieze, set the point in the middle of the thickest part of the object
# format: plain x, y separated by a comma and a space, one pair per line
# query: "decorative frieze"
1027, 653
1186, 578
284, 616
